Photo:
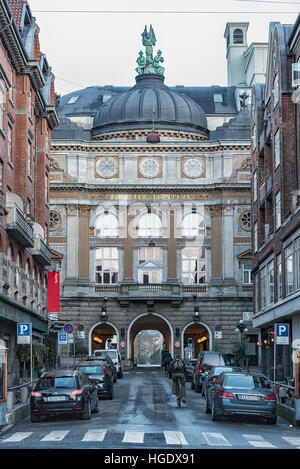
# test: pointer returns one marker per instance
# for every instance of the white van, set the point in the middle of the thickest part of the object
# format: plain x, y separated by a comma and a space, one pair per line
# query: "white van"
114, 355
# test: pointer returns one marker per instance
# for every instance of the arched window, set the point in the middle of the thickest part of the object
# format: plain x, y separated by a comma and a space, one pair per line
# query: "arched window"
149, 225
193, 224
9, 266
27, 280
18, 274
107, 225
238, 36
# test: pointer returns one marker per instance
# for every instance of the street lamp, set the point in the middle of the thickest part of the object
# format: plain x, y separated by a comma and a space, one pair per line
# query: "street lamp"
103, 311
241, 327
196, 314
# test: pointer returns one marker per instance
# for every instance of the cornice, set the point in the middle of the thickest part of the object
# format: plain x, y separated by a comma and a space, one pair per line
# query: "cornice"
133, 188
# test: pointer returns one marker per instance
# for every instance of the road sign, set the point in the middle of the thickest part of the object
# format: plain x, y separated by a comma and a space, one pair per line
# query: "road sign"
122, 344
80, 327
70, 338
68, 328
177, 344
218, 334
63, 338
218, 327
24, 333
81, 334
282, 334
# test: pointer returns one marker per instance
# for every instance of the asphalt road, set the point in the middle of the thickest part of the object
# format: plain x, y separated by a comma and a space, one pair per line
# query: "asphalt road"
144, 415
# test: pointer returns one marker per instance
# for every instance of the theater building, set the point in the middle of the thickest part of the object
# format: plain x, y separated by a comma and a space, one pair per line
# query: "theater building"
150, 199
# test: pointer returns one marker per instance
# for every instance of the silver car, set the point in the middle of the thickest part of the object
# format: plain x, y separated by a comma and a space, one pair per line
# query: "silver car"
241, 393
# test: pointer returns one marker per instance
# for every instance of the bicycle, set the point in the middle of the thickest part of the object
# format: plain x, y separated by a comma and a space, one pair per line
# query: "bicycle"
178, 391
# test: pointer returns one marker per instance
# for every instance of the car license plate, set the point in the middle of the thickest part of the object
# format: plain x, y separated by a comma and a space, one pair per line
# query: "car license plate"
249, 398
56, 398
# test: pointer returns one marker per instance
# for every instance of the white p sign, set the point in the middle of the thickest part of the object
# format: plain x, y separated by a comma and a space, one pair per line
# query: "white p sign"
24, 333
282, 334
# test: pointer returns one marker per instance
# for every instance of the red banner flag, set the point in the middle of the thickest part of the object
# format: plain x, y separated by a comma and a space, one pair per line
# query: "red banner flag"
53, 292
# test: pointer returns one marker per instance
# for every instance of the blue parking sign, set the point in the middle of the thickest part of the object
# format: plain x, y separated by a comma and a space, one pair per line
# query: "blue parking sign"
24, 333
282, 334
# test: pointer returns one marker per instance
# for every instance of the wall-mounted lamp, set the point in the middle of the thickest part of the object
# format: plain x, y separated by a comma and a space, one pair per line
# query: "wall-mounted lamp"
103, 311
196, 314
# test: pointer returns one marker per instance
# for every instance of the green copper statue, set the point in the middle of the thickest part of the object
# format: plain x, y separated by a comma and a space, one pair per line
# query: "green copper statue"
149, 64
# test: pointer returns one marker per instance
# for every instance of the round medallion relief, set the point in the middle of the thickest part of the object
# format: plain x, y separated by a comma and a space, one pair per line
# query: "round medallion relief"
245, 220
193, 167
106, 167
149, 167
54, 220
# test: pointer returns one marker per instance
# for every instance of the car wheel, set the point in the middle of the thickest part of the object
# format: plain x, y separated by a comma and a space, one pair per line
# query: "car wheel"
87, 413
207, 408
272, 420
192, 385
214, 416
96, 408
35, 418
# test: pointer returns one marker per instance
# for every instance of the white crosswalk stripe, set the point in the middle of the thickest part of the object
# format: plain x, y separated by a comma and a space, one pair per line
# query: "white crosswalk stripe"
216, 439
55, 436
175, 438
292, 440
258, 441
19, 436
132, 436
94, 435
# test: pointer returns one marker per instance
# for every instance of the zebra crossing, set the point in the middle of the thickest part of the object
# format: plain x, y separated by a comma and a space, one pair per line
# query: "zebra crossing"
164, 438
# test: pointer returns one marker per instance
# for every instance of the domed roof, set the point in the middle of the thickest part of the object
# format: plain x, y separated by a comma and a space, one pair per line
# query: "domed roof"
134, 109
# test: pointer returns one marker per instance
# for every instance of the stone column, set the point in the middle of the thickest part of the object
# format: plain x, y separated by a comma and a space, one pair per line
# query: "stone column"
128, 249
227, 236
84, 242
172, 253
216, 245
72, 241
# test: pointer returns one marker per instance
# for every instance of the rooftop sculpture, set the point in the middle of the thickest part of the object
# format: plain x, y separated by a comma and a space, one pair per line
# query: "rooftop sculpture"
149, 64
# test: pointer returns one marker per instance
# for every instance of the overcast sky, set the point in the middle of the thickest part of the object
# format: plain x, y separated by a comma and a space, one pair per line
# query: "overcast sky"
96, 48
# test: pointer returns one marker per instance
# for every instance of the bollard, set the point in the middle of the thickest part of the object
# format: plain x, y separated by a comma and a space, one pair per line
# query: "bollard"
24, 395
10, 400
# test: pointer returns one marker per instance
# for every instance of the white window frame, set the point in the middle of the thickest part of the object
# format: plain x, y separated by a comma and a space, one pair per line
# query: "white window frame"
277, 149
107, 225
277, 210
107, 262
246, 270
198, 274
275, 90
255, 186
255, 236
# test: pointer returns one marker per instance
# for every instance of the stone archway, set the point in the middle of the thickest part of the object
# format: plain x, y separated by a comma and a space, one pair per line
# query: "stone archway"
103, 335
149, 322
197, 334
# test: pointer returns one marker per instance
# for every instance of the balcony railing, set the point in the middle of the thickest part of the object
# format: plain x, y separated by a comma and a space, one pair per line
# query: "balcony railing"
3, 210
19, 228
41, 252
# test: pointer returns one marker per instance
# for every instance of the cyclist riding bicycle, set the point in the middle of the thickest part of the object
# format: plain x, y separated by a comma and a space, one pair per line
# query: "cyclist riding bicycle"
177, 368
167, 358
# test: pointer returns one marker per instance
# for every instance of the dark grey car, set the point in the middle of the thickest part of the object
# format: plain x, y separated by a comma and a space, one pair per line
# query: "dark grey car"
206, 360
241, 394
189, 368
214, 372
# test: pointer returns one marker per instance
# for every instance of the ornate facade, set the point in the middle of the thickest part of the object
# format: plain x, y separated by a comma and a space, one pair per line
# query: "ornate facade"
150, 211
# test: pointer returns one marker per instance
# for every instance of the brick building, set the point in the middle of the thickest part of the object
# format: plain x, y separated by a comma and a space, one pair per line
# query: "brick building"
27, 116
275, 200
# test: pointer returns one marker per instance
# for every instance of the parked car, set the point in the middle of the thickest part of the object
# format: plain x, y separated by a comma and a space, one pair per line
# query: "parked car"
64, 392
243, 394
189, 367
206, 360
214, 372
100, 374
109, 364
114, 355
230, 359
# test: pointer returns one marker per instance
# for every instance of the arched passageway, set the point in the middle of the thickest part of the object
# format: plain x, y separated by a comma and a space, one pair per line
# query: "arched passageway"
196, 338
103, 336
147, 323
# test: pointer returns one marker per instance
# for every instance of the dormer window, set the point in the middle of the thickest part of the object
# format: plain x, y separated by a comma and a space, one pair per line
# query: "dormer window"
73, 100
218, 98
238, 36
276, 90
